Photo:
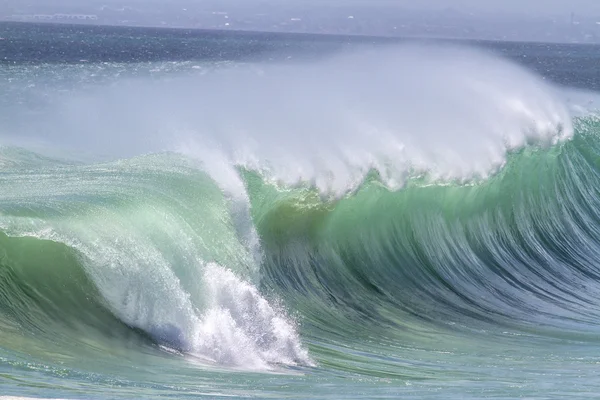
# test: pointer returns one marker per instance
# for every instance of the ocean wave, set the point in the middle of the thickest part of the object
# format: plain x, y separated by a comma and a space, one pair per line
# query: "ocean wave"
147, 241
413, 188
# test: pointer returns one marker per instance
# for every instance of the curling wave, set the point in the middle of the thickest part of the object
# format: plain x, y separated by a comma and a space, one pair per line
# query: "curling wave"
415, 186
140, 243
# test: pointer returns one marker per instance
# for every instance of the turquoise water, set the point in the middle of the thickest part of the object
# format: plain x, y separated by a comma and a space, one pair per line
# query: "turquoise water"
411, 221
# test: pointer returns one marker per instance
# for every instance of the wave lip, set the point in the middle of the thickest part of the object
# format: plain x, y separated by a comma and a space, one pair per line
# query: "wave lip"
448, 113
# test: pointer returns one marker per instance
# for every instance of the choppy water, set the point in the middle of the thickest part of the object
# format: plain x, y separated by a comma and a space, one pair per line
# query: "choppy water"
371, 221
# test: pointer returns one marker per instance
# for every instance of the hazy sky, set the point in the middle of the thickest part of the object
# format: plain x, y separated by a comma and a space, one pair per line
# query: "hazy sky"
515, 6
529, 20
512, 6
529, 7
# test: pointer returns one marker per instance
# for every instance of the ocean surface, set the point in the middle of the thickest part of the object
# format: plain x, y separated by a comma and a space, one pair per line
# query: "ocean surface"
197, 214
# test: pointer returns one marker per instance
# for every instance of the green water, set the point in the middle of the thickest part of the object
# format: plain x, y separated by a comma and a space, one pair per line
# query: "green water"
167, 230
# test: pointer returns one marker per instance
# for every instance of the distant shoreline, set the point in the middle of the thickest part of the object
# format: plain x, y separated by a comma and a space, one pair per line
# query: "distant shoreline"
58, 43
210, 31
262, 34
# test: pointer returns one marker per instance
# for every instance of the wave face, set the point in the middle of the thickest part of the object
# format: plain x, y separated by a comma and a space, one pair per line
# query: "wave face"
516, 250
151, 235
381, 219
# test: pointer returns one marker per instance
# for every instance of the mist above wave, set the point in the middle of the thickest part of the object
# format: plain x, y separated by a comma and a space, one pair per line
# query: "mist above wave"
448, 112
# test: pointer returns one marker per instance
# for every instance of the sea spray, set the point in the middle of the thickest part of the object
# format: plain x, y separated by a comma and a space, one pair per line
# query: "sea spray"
447, 112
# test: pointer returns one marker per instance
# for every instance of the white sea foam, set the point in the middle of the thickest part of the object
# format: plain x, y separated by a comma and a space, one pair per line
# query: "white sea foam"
450, 113
240, 327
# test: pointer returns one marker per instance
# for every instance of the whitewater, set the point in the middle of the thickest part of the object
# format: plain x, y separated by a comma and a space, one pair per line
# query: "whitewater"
307, 218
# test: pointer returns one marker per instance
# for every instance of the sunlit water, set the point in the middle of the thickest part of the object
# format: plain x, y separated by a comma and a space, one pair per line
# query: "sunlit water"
186, 215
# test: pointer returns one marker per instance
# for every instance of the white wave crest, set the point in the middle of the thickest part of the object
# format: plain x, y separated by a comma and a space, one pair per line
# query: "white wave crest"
450, 113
